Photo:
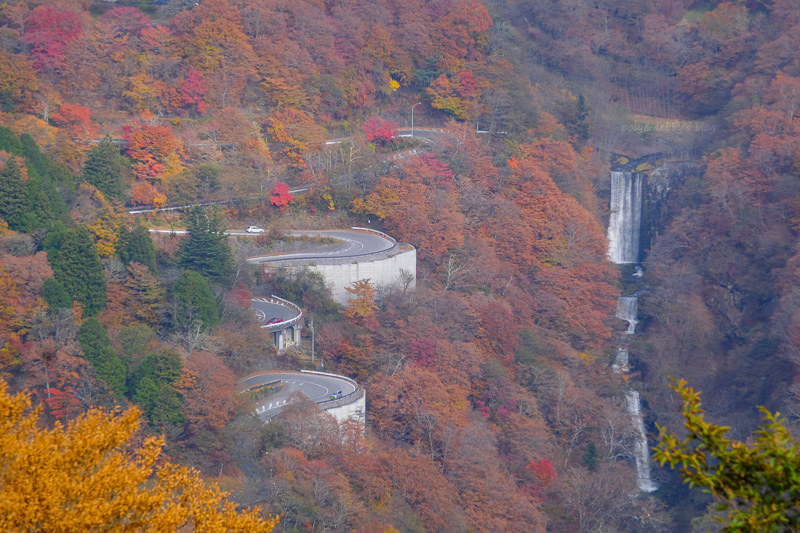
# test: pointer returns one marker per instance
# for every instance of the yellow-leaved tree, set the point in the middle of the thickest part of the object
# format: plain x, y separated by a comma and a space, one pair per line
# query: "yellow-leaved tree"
91, 476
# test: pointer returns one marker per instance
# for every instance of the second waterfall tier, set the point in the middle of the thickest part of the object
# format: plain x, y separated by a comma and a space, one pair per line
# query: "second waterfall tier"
627, 309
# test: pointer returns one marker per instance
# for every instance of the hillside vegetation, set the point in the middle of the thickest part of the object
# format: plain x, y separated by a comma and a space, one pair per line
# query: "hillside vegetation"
491, 404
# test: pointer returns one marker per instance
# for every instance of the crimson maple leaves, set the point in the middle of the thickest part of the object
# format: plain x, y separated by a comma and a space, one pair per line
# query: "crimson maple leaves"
281, 196
381, 131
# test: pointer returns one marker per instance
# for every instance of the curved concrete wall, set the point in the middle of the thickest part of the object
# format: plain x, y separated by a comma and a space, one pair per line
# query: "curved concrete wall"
356, 410
352, 406
386, 271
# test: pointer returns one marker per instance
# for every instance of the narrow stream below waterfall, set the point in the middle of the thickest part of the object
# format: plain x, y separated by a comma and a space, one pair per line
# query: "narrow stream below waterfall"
633, 402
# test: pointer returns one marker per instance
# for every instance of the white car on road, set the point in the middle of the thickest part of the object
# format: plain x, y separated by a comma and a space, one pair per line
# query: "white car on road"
255, 229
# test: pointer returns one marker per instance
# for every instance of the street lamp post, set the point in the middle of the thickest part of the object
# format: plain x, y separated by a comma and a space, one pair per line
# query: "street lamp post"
412, 118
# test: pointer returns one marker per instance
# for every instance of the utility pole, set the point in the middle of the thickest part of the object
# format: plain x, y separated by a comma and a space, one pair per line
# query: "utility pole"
311, 326
412, 118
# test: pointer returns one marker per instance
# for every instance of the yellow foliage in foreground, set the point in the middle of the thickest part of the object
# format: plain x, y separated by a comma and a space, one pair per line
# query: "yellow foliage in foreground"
91, 477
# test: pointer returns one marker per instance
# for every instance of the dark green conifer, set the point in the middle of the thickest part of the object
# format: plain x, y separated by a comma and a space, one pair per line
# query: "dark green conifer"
37, 163
55, 294
13, 195
153, 387
77, 265
9, 141
592, 457
97, 349
206, 249
39, 210
194, 305
581, 118
136, 246
105, 169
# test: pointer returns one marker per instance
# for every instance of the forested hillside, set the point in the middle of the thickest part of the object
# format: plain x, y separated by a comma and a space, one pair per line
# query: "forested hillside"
491, 404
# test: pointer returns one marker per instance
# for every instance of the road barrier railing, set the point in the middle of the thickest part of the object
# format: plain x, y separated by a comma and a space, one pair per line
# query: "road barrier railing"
327, 403
328, 260
285, 303
344, 400
375, 232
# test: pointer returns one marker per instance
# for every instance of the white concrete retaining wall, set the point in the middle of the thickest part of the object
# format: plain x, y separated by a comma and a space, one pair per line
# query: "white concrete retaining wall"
379, 272
355, 411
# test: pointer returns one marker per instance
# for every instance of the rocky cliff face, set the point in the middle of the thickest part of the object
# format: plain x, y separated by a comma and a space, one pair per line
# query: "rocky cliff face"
658, 183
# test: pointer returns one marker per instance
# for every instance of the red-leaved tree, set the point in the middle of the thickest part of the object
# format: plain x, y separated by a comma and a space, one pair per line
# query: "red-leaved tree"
193, 92
380, 131
48, 31
76, 119
281, 195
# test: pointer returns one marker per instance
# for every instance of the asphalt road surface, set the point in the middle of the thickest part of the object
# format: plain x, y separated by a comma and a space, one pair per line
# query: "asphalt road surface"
318, 387
353, 243
266, 311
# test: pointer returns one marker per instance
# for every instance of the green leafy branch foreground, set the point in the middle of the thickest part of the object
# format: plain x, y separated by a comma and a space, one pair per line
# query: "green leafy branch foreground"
757, 483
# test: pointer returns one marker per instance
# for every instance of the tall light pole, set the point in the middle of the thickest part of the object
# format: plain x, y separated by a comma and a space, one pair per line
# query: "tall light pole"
412, 118
312, 342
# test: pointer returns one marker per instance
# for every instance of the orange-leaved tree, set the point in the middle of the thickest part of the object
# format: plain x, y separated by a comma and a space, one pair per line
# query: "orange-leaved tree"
156, 154
361, 305
91, 475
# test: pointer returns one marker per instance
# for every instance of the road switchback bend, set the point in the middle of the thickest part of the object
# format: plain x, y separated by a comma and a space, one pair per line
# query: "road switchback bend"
318, 387
352, 243
267, 311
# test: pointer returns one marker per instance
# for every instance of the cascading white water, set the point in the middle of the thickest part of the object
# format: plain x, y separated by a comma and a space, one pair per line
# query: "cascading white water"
624, 230
642, 452
624, 225
621, 361
627, 309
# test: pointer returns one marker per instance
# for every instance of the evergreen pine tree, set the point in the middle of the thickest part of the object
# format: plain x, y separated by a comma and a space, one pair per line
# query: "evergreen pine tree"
105, 169
45, 198
64, 183
13, 195
39, 210
195, 305
592, 457
37, 163
153, 387
97, 349
581, 118
77, 265
9, 141
206, 249
136, 246
55, 294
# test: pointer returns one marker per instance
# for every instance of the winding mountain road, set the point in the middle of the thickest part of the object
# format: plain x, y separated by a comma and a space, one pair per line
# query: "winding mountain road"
317, 386
267, 311
427, 135
353, 243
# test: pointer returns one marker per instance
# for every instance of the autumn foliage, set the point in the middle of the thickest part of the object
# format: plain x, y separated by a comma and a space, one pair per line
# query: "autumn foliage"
50, 481
281, 196
378, 130
491, 403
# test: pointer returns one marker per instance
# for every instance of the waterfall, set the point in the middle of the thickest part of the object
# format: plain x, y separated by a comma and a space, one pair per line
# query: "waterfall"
627, 308
624, 225
624, 232
621, 361
642, 451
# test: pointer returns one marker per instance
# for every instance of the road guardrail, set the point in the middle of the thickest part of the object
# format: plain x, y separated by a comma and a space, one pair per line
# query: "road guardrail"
328, 260
285, 303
